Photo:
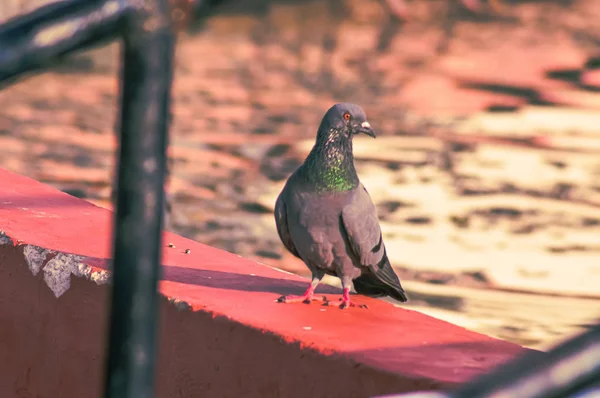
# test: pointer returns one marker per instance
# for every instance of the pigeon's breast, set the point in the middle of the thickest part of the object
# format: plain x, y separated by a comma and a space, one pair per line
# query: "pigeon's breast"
314, 223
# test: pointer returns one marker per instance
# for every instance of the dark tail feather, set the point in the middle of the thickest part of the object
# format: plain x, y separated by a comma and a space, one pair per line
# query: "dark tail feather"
382, 282
368, 285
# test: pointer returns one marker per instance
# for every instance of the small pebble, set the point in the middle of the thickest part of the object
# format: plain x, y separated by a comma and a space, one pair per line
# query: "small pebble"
306, 328
322, 310
252, 274
187, 251
171, 245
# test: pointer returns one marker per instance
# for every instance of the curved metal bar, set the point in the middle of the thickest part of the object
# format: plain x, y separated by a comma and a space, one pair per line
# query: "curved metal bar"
147, 68
35, 40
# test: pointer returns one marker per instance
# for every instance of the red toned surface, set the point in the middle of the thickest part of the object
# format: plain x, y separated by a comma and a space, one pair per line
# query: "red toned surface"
293, 348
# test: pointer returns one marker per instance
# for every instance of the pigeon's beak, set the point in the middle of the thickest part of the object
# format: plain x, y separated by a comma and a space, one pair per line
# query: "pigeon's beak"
365, 128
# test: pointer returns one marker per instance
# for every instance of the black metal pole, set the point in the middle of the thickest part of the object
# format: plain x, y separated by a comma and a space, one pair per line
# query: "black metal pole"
37, 39
571, 367
147, 56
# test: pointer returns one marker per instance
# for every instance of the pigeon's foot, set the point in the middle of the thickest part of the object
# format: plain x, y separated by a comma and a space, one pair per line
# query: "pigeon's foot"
345, 302
305, 298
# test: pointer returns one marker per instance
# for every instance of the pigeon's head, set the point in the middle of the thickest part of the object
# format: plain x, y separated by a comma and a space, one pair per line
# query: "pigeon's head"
348, 119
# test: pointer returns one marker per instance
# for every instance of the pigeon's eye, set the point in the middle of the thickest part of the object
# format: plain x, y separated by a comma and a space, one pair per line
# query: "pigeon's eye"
346, 116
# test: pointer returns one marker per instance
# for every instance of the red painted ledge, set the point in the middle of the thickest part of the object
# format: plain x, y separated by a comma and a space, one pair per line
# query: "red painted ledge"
221, 332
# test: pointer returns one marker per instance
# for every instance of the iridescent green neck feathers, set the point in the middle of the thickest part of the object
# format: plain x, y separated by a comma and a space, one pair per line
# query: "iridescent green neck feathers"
330, 165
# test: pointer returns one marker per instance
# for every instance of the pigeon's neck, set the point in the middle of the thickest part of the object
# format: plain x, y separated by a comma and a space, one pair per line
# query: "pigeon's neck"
330, 165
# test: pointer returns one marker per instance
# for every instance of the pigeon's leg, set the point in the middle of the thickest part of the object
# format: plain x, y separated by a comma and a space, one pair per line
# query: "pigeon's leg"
345, 300
308, 295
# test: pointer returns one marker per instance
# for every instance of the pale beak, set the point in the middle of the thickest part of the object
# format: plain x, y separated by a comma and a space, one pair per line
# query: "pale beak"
365, 128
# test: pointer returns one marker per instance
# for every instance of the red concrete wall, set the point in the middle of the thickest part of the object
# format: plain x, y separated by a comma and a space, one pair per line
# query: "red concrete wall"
221, 332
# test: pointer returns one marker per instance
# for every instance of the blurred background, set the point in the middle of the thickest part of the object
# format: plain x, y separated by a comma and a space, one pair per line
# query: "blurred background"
485, 172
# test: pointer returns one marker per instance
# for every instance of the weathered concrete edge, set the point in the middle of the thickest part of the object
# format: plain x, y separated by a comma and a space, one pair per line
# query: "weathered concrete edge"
57, 268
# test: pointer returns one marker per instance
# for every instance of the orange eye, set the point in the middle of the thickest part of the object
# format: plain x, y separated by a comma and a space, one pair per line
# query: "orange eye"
346, 116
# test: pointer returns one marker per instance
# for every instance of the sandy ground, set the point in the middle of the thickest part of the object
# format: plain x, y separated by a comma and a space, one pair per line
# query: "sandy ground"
486, 170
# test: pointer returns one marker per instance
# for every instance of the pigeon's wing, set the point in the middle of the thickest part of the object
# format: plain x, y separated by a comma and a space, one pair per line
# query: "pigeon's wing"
361, 226
362, 229
282, 226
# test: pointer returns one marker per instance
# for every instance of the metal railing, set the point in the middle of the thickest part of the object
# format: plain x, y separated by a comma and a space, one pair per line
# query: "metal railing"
36, 40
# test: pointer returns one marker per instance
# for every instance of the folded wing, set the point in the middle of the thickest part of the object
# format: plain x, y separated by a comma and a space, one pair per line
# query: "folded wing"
361, 227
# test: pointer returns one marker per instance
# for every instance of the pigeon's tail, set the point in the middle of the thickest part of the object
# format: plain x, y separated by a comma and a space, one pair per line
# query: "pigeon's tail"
383, 282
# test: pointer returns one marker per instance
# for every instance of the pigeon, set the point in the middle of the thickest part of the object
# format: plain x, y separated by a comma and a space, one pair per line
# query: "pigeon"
325, 216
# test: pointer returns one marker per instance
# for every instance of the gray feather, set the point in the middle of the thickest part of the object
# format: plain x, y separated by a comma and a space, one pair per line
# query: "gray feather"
361, 226
282, 226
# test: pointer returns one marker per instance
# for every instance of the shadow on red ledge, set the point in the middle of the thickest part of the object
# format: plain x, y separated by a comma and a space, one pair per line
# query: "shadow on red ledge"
221, 333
